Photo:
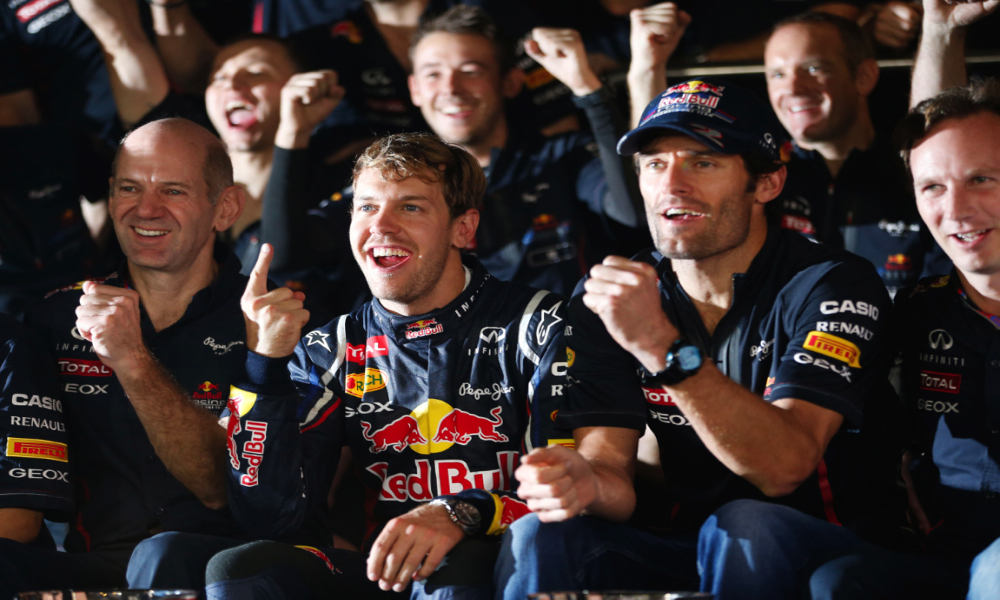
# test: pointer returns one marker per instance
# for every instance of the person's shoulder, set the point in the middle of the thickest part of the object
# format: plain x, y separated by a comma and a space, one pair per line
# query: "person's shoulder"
805, 265
929, 294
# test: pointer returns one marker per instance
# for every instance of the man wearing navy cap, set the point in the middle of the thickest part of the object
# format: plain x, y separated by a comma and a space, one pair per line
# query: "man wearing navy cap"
756, 358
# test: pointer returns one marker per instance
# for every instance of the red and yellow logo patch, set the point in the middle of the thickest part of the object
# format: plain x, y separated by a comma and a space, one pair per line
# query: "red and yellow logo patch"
359, 383
834, 347
45, 449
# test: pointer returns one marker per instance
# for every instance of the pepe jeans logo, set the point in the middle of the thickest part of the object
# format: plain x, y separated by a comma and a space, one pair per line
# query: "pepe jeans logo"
220, 349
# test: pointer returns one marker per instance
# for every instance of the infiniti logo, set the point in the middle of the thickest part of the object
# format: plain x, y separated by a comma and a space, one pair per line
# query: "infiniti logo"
940, 339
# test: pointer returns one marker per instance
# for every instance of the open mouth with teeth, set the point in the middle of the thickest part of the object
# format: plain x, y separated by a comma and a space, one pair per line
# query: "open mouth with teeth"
240, 114
970, 237
149, 232
388, 258
683, 214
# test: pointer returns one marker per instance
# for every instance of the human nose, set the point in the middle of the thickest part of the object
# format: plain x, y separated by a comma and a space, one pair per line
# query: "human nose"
676, 177
383, 222
149, 205
957, 205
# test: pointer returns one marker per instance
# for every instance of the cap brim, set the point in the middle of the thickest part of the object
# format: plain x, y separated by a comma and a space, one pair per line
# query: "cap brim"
634, 140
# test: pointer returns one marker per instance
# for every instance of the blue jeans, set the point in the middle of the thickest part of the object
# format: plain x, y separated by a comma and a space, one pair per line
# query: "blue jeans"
757, 550
874, 573
175, 560
590, 553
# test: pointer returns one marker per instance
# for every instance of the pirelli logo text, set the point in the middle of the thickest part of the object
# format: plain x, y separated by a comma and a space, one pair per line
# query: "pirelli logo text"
44, 449
834, 347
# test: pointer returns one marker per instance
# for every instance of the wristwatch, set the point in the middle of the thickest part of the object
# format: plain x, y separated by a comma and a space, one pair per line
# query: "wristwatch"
683, 360
462, 513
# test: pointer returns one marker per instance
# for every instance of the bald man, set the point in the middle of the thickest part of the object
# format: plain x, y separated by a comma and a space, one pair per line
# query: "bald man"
145, 359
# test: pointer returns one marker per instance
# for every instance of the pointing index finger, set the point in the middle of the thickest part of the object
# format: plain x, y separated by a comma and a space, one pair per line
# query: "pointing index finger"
258, 277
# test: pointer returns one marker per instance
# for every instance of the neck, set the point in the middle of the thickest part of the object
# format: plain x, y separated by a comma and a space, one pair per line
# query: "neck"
402, 13
448, 287
860, 136
984, 290
166, 295
482, 149
709, 282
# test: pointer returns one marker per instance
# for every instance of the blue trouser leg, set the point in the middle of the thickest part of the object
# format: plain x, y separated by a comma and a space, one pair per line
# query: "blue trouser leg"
872, 573
466, 573
757, 550
590, 553
984, 580
25, 568
175, 560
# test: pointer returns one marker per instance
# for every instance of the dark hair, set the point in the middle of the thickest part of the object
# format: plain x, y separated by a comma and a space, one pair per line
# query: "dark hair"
432, 160
857, 47
298, 60
469, 20
957, 103
217, 168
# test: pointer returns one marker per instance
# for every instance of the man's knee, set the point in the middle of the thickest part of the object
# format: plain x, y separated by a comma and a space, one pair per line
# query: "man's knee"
158, 550
984, 580
749, 519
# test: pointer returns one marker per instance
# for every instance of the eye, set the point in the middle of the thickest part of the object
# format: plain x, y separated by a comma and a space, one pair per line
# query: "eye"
703, 164
411, 208
775, 75
814, 69
126, 188
364, 208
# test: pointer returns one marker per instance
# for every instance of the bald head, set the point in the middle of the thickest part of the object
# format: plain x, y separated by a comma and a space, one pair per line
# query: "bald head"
189, 140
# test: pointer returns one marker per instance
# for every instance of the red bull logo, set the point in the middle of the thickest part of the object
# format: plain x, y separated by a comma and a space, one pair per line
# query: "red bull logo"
433, 427
897, 262
346, 29
543, 222
209, 391
459, 426
397, 435
695, 87
423, 328
435, 478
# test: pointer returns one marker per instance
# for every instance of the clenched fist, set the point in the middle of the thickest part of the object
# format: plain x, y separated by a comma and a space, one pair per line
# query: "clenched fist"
274, 319
108, 317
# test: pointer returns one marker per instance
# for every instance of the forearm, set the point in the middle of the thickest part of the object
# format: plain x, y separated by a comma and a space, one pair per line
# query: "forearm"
621, 199
185, 47
138, 81
19, 108
755, 439
612, 461
284, 211
20, 524
615, 499
644, 84
940, 62
186, 438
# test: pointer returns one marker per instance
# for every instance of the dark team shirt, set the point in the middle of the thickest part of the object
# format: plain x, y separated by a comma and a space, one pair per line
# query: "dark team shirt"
377, 97
34, 468
867, 209
45, 47
44, 241
806, 322
432, 405
951, 391
126, 492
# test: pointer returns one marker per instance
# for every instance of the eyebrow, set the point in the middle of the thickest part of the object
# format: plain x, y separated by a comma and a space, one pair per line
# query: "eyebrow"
407, 198
179, 184
438, 64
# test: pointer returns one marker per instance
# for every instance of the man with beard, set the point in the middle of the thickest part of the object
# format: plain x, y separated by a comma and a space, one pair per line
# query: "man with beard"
437, 386
845, 185
755, 357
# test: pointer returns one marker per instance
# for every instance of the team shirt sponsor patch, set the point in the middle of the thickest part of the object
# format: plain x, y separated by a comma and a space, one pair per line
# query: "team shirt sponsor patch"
358, 383
44, 449
932, 381
86, 368
834, 347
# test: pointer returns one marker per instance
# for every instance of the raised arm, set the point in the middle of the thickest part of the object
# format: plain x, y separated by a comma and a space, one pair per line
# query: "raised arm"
185, 47
138, 80
940, 62
656, 31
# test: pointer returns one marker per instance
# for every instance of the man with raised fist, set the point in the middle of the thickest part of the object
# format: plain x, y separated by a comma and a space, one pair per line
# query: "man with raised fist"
437, 386
146, 356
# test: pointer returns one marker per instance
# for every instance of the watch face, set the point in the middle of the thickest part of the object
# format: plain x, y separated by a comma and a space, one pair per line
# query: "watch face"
467, 513
689, 358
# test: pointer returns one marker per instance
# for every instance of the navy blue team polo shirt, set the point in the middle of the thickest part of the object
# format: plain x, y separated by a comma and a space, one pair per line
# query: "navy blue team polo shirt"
807, 321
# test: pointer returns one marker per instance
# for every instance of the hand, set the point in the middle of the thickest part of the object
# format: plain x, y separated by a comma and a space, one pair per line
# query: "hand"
108, 317
561, 52
557, 482
656, 31
423, 535
625, 295
274, 319
306, 100
897, 23
951, 14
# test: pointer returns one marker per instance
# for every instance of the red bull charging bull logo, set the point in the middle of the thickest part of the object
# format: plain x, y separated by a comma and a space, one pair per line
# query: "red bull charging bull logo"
433, 427
695, 87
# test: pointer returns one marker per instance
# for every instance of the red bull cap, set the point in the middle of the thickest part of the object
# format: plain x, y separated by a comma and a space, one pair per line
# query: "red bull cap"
727, 118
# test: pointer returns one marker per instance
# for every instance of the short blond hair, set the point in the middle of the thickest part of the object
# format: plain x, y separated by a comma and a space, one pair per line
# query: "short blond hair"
432, 160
